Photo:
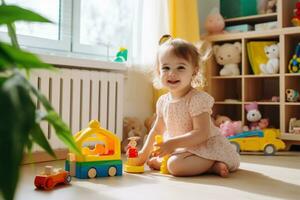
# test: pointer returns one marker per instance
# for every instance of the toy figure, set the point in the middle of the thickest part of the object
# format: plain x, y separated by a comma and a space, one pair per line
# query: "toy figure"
292, 95
272, 66
254, 117
132, 151
296, 18
121, 55
214, 23
294, 64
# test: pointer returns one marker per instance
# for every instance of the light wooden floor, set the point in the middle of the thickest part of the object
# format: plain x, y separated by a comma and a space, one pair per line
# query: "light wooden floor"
259, 177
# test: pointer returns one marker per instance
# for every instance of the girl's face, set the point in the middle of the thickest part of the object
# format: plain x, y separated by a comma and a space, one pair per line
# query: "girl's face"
175, 73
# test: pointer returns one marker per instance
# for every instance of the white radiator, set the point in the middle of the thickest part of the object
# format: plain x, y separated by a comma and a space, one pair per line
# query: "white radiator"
79, 96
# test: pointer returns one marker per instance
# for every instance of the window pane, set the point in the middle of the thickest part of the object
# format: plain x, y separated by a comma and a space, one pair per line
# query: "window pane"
107, 22
47, 8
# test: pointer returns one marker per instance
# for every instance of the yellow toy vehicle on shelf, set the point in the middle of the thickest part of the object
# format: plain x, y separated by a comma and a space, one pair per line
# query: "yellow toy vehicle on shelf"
265, 140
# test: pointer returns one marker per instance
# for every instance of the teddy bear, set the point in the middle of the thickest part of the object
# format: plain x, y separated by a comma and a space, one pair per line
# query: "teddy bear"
228, 55
148, 123
292, 95
132, 127
272, 66
271, 6
214, 22
255, 118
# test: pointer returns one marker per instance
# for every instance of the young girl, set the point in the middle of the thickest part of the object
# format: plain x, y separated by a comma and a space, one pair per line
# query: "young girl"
194, 144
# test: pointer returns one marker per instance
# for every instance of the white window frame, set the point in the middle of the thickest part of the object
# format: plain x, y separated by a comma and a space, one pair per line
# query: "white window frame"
64, 42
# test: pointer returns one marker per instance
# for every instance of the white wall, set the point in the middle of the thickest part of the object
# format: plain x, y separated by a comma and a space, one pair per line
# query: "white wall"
204, 7
138, 94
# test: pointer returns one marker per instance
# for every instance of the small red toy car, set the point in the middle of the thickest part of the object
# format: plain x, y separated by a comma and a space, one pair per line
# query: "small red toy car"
51, 177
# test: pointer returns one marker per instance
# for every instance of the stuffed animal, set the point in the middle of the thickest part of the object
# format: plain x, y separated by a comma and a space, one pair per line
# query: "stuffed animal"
148, 123
293, 125
228, 55
272, 66
271, 6
263, 123
220, 119
296, 18
132, 127
253, 115
266, 6
214, 22
230, 128
292, 95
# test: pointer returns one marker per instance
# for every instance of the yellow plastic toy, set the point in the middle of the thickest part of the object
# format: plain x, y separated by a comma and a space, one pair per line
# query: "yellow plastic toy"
132, 154
265, 140
163, 167
101, 153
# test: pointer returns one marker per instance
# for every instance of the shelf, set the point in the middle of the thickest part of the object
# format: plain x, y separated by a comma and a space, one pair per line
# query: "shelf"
264, 103
252, 19
226, 77
290, 136
261, 76
292, 74
292, 103
228, 103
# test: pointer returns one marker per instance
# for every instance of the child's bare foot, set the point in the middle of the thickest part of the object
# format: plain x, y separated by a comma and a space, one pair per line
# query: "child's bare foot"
154, 163
220, 169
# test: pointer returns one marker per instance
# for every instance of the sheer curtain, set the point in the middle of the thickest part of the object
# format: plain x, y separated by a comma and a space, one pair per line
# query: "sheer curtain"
155, 23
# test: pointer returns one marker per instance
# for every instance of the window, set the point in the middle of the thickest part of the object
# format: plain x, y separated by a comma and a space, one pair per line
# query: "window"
55, 36
93, 27
103, 26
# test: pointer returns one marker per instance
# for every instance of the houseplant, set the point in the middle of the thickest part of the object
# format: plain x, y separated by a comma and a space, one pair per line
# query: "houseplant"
19, 117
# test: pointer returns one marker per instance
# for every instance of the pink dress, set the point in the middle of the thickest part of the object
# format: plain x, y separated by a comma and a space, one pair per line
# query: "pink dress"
177, 115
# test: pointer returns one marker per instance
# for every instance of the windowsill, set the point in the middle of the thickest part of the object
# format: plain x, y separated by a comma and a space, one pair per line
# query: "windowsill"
83, 63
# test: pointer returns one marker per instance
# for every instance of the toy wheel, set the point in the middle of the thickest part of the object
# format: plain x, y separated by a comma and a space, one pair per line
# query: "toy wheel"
68, 179
49, 184
112, 171
269, 150
236, 146
92, 173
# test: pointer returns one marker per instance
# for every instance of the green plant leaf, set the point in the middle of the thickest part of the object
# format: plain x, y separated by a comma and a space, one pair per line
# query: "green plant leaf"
11, 13
39, 138
16, 120
62, 131
21, 58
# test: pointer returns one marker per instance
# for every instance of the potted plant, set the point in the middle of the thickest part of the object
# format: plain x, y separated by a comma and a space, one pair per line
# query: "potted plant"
19, 117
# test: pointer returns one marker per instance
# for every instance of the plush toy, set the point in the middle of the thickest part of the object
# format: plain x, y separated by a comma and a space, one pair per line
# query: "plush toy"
228, 55
214, 22
292, 95
230, 128
254, 117
296, 18
220, 119
294, 64
294, 125
271, 6
262, 6
272, 66
263, 123
132, 127
148, 123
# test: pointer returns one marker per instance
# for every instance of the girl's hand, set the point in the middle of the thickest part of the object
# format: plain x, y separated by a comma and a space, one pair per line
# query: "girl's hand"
165, 148
140, 160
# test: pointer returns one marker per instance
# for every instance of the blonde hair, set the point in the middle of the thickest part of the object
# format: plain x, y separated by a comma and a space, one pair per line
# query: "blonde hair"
196, 54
